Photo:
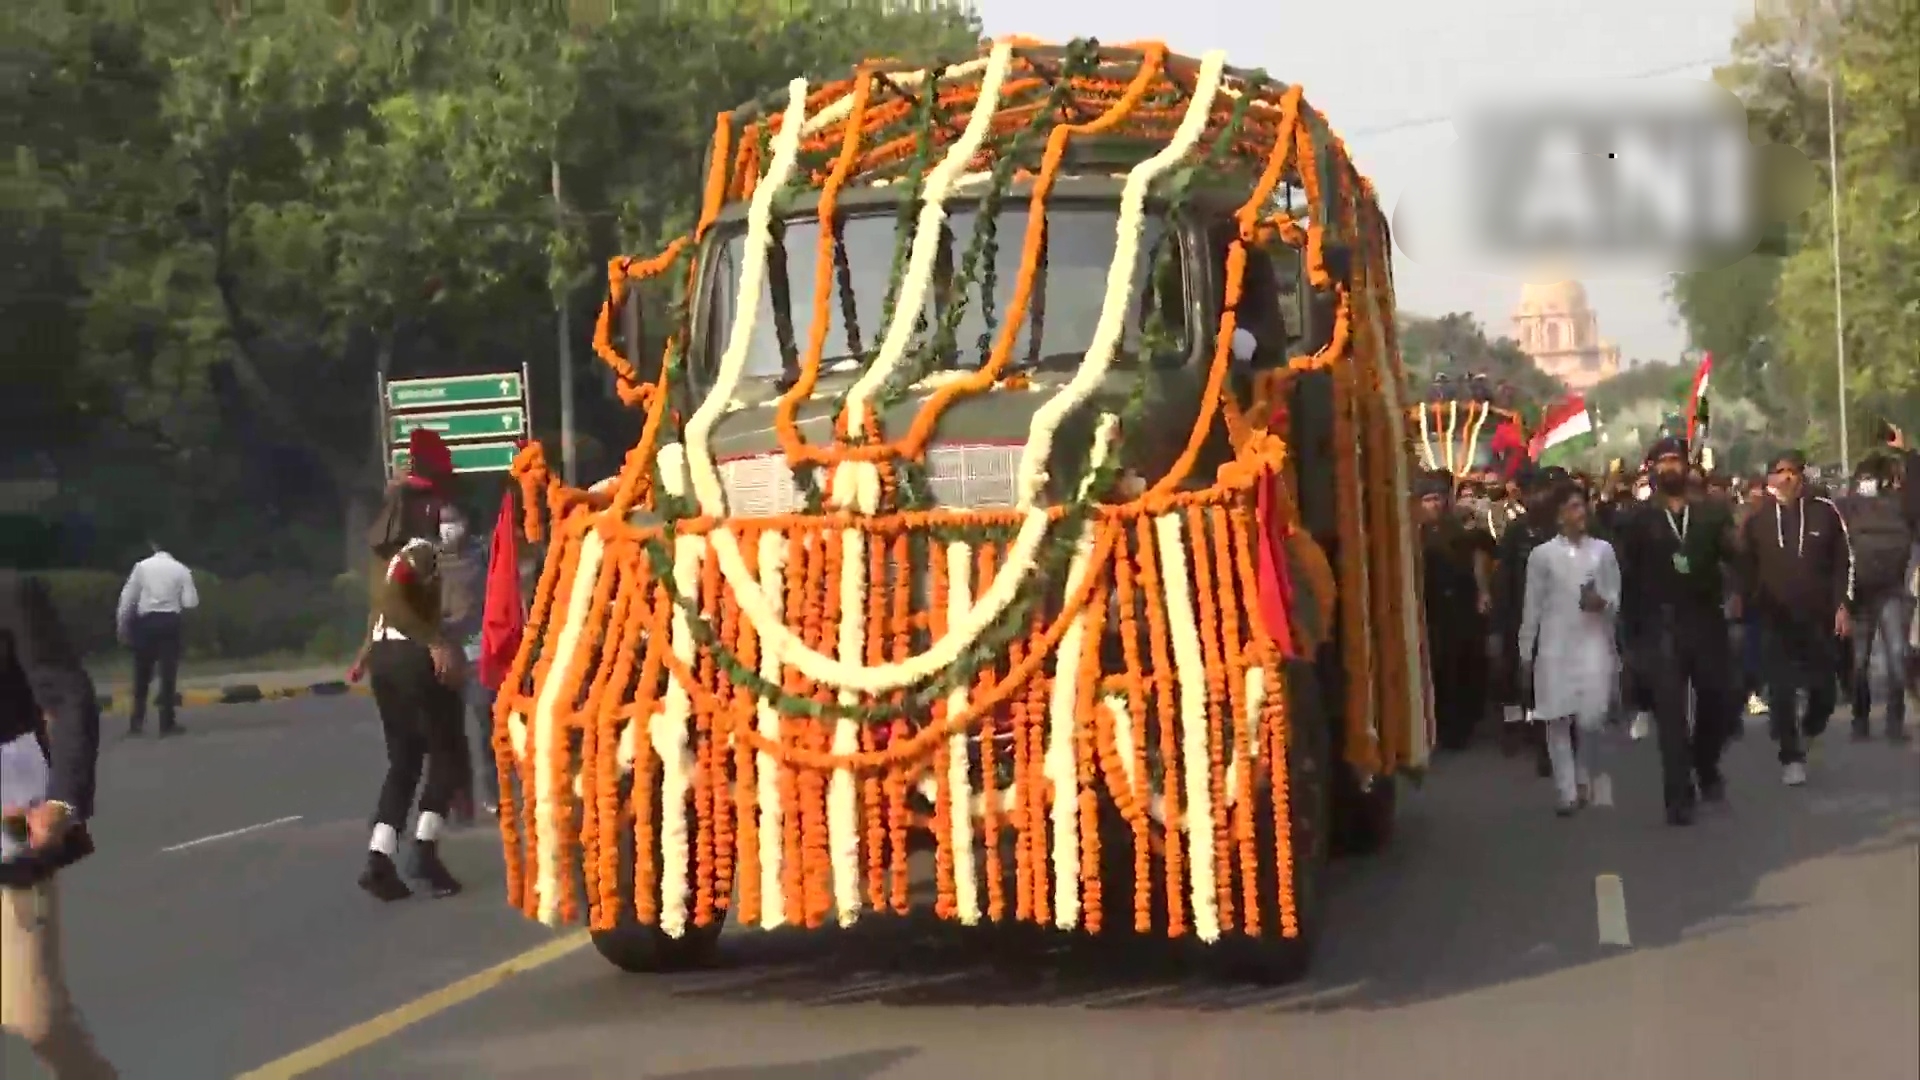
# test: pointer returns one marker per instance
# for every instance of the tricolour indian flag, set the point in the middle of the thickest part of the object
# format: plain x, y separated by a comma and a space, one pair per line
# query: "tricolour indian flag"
1565, 431
1697, 399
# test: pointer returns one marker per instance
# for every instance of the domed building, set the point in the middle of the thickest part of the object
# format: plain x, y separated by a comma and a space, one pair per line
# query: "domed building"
1559, 330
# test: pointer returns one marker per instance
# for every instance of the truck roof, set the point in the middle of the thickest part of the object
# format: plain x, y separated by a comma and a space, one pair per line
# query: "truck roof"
1095, 164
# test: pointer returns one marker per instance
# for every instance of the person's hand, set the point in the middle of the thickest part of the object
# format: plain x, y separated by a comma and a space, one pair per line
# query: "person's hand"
356, 671
1842, 623
446, 664
1590, 599
46, 822
1483, 603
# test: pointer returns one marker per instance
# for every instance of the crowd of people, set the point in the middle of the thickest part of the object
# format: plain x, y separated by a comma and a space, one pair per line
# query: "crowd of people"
1671, 600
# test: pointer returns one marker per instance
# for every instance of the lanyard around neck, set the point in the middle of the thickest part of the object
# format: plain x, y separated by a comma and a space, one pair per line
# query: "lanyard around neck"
1780, 531
1680, 527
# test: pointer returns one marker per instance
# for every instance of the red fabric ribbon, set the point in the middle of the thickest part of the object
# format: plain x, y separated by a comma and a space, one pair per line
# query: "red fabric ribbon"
1276, 583
504, 619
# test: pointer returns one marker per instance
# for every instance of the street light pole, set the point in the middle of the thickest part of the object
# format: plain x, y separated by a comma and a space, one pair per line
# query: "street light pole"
564, 333
1839, 309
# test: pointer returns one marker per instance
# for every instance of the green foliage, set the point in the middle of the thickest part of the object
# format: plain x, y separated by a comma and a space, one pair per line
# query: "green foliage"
238, 618
1457, 345
221, 221
1655, 381
1772, 320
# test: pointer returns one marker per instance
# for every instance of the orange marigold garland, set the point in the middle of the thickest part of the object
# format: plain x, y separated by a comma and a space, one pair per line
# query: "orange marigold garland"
1013, 693
1166, 697
1218, 731
946, 903
1232, 531
1139, 689
900, 777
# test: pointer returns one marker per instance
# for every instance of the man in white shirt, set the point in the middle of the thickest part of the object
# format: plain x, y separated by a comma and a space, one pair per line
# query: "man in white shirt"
158, 592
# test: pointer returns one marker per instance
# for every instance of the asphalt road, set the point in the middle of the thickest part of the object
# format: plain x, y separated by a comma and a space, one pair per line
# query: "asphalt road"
1778, 940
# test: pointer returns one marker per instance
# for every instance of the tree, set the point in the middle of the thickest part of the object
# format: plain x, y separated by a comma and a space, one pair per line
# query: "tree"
1770, 323
1646, 381
1457, 345
231, 218
1878, 69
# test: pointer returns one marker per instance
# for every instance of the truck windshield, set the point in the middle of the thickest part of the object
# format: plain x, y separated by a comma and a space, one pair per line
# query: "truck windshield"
1061, 312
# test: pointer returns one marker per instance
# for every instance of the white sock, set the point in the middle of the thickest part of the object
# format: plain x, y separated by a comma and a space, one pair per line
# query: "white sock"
428, 828
385, 840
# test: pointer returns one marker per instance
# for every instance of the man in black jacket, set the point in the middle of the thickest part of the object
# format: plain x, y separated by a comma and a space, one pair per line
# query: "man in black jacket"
1799, 575
1673, 550
49, 738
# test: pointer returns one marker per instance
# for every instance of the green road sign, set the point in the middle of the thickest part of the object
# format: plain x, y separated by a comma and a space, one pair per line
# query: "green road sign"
503, 388
470, 457
455, 426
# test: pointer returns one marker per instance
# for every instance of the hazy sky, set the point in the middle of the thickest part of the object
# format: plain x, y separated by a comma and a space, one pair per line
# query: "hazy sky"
1378, 67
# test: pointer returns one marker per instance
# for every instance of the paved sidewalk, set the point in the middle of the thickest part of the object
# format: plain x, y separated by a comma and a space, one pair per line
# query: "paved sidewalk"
240, 687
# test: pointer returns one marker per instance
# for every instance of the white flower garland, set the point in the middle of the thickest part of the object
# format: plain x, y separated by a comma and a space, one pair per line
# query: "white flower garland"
669, 731
1023, 555
1426, 438
918, 279
1453, 416
966, 887
1190, 668
1479, 412
546, 728
843, 807
1061, 765
772, 853
1256, 699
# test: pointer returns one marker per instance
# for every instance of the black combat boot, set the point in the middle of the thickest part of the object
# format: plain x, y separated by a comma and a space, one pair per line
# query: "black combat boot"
428, 868
381, 879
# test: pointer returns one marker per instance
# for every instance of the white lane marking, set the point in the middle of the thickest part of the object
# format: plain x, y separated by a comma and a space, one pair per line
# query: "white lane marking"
1610, 899
231, 833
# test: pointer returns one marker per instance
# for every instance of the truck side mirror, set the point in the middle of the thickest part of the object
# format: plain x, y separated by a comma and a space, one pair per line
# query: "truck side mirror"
645, 360
1322, 304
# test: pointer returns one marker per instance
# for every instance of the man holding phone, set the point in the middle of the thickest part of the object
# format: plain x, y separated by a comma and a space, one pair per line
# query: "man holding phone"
49, 742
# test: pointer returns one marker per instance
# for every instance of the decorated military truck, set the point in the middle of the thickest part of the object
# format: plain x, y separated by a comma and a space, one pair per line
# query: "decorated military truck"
1018, 528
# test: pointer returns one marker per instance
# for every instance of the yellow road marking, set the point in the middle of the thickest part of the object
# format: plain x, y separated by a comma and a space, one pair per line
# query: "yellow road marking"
362, 1035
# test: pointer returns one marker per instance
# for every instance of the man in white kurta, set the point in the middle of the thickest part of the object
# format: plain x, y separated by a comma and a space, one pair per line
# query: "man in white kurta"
1567, 626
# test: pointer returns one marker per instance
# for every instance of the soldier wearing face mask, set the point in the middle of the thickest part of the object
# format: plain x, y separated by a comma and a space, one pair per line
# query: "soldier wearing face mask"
463, 597
1882, 546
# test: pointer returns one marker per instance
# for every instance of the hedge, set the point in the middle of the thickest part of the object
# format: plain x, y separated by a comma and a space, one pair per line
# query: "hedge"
238, 618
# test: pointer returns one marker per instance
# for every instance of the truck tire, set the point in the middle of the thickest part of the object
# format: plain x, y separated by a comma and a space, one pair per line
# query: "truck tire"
635, 947
1271, 959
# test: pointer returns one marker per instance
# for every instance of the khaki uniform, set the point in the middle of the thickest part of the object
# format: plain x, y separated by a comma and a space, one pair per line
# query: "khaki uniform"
34, 1003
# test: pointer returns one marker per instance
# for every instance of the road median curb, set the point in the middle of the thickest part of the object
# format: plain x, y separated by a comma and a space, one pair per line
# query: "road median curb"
119, 699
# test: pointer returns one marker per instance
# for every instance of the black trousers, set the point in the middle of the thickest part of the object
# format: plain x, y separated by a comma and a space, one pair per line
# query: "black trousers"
1458, 644
156, 651
424, 724
1683, 656
1799, 656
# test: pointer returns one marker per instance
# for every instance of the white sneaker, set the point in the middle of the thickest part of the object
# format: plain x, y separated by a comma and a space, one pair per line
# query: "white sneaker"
1603, 790
1756, 706
1794, 775
1641, 726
